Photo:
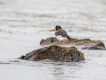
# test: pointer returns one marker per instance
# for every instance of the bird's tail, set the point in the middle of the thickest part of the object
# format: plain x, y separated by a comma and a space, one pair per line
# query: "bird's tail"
68, 37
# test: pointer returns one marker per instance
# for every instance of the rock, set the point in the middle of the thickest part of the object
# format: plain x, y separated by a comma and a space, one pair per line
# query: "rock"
55, 53
84, 43
98, 46
22, 57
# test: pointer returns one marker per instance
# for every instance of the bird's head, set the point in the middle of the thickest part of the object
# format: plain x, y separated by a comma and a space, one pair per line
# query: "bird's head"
56, 28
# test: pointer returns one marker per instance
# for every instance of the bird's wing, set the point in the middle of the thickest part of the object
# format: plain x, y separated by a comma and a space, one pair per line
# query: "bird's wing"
62, 33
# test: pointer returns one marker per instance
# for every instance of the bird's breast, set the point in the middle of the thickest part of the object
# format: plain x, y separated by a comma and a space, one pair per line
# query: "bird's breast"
60, 37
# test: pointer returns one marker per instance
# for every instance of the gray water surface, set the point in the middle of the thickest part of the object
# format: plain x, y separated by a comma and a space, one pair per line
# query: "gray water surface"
23, 23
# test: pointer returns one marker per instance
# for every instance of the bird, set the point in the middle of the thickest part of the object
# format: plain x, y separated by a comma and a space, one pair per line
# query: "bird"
60, 34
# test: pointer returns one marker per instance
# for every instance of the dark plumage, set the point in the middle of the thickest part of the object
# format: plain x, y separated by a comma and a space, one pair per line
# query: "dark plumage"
63, 33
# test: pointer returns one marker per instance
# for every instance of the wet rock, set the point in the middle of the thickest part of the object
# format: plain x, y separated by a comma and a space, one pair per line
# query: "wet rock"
98, 46
22, 57
42, 41
52, 40
55, 53
84, 43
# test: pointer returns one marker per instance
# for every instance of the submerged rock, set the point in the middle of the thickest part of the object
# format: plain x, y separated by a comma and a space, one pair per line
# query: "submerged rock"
84, 43
55, 53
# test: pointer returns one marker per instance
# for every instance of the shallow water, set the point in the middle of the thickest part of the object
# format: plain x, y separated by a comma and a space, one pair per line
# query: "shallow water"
23, 23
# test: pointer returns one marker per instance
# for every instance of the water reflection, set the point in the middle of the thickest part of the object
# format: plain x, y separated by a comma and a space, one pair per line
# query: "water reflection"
58, 72
66, 70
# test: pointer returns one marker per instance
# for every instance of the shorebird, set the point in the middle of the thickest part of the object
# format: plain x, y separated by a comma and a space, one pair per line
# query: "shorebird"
60, 34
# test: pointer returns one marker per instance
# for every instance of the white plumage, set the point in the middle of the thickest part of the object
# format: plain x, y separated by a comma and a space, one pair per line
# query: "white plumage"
60, 38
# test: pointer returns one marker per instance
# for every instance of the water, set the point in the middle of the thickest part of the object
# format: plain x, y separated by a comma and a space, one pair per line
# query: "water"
23, 23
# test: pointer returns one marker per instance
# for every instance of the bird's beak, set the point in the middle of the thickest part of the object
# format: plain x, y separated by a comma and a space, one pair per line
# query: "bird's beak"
52, 29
